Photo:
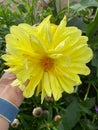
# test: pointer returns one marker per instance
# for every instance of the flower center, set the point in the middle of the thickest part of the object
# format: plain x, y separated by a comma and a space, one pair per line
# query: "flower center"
47, 63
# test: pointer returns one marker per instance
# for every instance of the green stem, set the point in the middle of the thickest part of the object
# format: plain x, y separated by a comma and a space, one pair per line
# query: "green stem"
68, 6
94, 118
60, 5
87, 92
95, 90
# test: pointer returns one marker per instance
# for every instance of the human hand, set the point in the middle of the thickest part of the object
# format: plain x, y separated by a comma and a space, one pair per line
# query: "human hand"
12, 94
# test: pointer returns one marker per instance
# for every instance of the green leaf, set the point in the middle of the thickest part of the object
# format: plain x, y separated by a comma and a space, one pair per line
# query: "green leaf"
89, 3
84, 4
22, 8
78, 22
85, 110
77, 127
93, 26
87, 125
71, 115
89, 103
60, 126
95, 60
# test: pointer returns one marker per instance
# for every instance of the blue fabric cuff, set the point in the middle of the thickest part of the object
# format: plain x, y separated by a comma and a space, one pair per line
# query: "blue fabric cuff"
8, 110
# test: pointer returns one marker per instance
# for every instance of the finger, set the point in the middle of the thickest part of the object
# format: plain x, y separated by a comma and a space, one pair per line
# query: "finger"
8, 75
6, 79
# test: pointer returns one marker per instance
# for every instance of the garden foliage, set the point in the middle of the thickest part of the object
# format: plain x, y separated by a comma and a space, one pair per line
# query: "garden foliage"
77, 111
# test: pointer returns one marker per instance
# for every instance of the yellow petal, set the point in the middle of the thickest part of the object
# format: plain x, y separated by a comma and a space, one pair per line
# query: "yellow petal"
15, 83
12, 60
19, 84
34, 81
53, 28
61, 45
64, 61
55, 86
46, 84
24, 75
44, 21
43, 95
66, 72
66, 83
61, 60
36, 44
79, 68
82, 40
30, 30
59, 30
39, 88
22, 36
83, 55
69, 38
44, 27
13, 43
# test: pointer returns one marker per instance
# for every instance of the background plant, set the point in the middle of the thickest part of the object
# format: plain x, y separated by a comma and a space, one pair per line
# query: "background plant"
77, 111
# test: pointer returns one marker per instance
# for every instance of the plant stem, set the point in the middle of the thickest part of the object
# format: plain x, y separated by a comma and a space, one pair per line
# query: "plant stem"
68, 6
94, 118
60, 5
87, 92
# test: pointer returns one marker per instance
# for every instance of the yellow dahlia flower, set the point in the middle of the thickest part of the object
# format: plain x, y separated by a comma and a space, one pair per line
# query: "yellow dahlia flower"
50, 56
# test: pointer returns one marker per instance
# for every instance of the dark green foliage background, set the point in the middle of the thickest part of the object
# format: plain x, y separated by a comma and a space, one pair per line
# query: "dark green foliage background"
77, 109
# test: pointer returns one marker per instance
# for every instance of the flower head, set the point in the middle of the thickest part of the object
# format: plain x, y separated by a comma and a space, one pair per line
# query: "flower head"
49, 56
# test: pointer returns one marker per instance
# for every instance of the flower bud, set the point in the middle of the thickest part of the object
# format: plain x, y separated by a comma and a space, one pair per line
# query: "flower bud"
57, 117
15, 123
37, 112
48, 99
46, 112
